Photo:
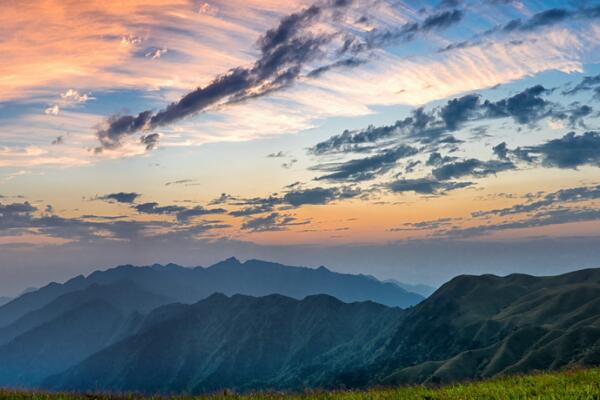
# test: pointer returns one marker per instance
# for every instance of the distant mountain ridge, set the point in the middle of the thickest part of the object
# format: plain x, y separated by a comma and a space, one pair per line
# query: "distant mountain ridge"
253, 277
70, 328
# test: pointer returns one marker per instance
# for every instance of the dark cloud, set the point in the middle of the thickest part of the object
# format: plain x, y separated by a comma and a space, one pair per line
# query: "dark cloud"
156, 209
436, 126
442, 20
189, 213
540, 219
411, 165
150, 141
58, 140
121, 197
272, 222
553, 199
459, 110
22, 218
289, 164
365, 168
436, 159
471, 167
424, 186
501, 151
318, 195
279, 154
543, 19
439, 20
575, 116
547, 18
222, 199
284, 51
352, 141
295, 197
351, 62
118, 127
185, 182
525, 107
15, 211
252, 206
103, 217
448, 4
425, 225
460, 45
551, 17
570, 151
253, 210
588, 83
182, 214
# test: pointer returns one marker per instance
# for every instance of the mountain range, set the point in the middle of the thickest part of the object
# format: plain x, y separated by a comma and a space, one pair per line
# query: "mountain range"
253, 278
161, 329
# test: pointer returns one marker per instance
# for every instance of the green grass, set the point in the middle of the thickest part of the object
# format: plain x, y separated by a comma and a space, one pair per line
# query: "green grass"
573, 385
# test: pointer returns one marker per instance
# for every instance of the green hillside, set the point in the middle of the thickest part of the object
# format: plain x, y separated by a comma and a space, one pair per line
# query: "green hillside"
579, 384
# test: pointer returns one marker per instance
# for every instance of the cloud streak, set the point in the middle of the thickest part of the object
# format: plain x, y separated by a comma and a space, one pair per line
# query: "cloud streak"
284, 53
436, 125
284, 50
570, 151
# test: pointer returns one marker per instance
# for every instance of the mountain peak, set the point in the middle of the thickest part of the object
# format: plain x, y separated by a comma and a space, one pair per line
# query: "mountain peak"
166, 267
229, 262
216, 296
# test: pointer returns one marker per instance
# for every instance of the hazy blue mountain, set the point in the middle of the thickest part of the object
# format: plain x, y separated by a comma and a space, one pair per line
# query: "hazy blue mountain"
4, 300
124, 296
423, 290
240, 342
31, 301
69, 329
188, 285
472, 327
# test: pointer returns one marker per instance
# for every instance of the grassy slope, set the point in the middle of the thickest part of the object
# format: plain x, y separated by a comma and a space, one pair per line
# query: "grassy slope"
576, 384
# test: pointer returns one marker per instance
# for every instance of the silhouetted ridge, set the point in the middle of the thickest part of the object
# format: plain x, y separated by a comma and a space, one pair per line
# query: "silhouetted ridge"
253, 277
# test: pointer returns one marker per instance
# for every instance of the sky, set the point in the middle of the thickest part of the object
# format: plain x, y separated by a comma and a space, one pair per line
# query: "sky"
402, 139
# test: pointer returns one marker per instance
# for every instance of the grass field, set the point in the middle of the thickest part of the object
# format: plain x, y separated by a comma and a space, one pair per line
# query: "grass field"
575, 384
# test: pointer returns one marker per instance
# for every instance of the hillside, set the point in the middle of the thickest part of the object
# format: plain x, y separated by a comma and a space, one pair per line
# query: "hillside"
576, 384
239, 342
482, 326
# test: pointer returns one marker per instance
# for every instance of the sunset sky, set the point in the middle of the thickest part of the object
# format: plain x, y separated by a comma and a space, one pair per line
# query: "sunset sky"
404, 139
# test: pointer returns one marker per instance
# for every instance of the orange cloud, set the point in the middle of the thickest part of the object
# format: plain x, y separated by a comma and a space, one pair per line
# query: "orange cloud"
91, 44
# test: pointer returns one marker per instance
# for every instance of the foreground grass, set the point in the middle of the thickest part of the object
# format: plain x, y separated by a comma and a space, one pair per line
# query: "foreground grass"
576, 384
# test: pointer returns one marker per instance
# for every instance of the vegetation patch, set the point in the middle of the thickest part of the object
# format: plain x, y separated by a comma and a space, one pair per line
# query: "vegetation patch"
580, 384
